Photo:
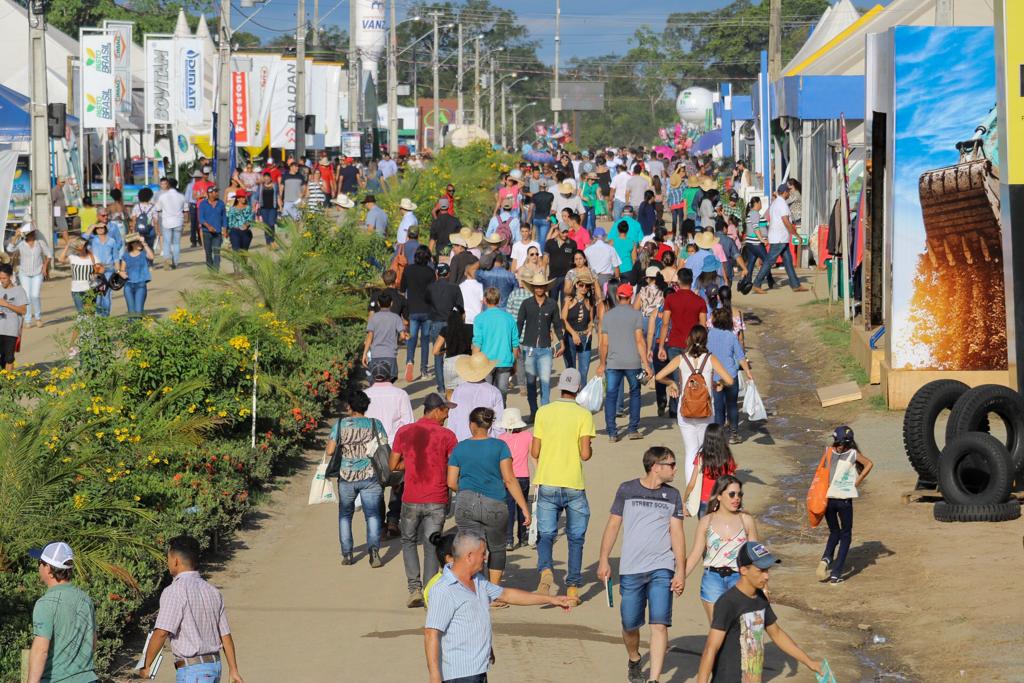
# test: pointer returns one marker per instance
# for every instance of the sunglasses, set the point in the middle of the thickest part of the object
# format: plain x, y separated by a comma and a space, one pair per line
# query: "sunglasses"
735, 494
669, 464
533, 253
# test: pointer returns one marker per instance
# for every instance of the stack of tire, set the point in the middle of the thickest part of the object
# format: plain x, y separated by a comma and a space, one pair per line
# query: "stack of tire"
974, 471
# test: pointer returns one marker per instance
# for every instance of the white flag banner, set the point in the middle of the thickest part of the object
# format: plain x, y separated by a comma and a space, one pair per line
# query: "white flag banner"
158, 80
122, 34
282, 107
331, 126
265, 70
97, 59
187, 73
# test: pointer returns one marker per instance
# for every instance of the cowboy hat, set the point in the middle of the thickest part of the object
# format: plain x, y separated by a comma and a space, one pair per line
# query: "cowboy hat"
675, 180
511, 419
706, 183
77, 244
474, 368
524, 274
586, 277
344, 201
705, 240
471, 237
538, 280
406, 204
692, 181
458, 240
132, 237
494, 238
566, 187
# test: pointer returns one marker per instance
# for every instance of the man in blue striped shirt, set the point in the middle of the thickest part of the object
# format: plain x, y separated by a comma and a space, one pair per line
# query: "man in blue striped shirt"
457, 634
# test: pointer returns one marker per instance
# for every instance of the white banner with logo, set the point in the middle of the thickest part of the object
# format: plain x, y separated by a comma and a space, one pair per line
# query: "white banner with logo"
324, 86
282, 107
122, 34
371, 34
187, 73
159, 69
262, 80
97, 59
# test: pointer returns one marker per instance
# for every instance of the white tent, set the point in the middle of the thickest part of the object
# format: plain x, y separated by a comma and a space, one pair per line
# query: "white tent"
834, 21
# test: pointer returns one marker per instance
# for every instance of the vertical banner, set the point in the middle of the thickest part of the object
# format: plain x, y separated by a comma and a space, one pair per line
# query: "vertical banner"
158, 80
282, 107
240, 107
121, 31
372, 29
262, 80
97, 59
187, 72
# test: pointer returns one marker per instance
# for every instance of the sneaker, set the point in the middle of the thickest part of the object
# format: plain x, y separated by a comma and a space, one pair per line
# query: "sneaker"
346, 560
635, 671
573, 593
836, 579
544, 585
823, 568
375, 560
408, 372
735, 437
392, 530
635, 436
510, 546
615, 438
415, 599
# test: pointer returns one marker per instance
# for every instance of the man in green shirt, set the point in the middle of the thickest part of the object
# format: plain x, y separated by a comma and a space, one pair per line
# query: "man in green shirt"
63, 622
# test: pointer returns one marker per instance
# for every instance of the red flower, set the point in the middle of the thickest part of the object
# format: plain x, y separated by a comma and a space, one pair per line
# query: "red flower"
177, 477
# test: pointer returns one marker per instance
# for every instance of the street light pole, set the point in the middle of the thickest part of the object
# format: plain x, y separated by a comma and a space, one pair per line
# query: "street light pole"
490, 98
438, 141
316, 23
393, 85
504, 141
300, 79
353, 70
558, 43
515, 121
458, 80
224, 97
476, 84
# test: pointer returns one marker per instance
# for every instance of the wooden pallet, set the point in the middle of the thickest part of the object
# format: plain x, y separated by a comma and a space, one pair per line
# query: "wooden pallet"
933, 495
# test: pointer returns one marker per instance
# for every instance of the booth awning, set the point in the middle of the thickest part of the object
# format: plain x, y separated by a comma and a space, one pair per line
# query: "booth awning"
15, 120
705, 142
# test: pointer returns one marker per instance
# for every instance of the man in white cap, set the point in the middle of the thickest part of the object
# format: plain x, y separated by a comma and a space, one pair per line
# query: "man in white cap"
408, 211
562, 433
442, 228
63, 622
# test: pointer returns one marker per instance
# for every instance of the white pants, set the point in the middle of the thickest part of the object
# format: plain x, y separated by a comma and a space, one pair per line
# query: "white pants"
33, 284
692, 430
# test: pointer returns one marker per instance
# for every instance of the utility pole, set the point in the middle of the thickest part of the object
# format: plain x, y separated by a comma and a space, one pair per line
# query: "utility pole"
558, 42
224, 97
393, 85
775, 40
436, 67
490, 98
42, 216
300, 80
476, 84
458, 110
316, 23
515, 125
504, 89
353, 70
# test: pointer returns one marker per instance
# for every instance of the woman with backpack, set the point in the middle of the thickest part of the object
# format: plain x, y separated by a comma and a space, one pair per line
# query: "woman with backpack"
695, 410
144, 215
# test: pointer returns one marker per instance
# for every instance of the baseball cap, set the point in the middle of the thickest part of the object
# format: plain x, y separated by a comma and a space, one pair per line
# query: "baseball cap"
625, 289
436, 400
57, 554
754, 553
442, 203
207, 169
782, 188
443, 269
652, 271
570, 380
842, 434
599, 233
380, 369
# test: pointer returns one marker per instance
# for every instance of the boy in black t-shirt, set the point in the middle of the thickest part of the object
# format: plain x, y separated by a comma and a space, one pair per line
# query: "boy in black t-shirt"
734, 650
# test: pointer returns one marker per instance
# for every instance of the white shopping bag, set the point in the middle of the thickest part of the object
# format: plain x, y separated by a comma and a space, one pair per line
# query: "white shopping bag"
532, 537
742, 379
321, 489
592, 395
753, 406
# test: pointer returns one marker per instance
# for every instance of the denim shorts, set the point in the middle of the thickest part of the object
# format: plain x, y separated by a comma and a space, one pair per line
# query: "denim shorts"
714, 586
650, 589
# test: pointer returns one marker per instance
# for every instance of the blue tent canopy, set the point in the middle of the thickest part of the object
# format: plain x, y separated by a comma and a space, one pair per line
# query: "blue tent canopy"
705, 142
15, 120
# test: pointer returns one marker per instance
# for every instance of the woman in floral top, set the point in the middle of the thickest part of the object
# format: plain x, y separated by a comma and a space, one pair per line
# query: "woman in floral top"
239, 222
356, 437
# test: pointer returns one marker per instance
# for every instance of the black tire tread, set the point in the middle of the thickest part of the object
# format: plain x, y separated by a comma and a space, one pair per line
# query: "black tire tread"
967, 416
919, 424
1000, 512
996, 458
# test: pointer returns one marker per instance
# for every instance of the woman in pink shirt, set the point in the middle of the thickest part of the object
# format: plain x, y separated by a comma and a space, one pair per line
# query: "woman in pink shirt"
518, 439
577, 233
510, 192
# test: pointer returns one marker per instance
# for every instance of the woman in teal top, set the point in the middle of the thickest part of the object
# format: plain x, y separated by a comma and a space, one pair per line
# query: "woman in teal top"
239, 223
593, 201
480, 469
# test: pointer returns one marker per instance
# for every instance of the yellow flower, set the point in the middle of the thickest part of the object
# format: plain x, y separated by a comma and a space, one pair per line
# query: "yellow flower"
136, 498
144, 365
99, 435
79, 501
222, 413
239, 343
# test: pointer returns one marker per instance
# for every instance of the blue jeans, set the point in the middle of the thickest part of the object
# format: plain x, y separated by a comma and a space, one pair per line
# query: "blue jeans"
269, 217
774, 251
211, 244
419, 325
198, 673
578, 355
727, 404
435, 331
551, 501
33, 286
515, 514
652, 590
372, 497
839, 517
752, 251
714, 585
135, 297
172, 244
538, 367
541, 225
617, 207
611, 400
103, 301
79, 299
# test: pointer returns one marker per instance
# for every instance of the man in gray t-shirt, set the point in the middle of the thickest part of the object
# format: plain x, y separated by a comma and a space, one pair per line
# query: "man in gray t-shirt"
292, 189
376, 220
653, 562
384, 331
623, 352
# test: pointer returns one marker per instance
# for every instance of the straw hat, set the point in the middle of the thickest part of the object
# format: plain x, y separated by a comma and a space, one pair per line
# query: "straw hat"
676, 179
538, 280
474, 368
344, 201
406, 204
706, 239
586, 277
494, 238
525, 274
705, 183
77, 244
566, 187
512, 418
132, 237
457, 240
472, 237
26, 228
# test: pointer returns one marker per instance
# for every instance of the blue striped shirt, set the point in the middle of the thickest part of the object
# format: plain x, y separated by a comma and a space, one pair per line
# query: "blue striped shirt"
464, 619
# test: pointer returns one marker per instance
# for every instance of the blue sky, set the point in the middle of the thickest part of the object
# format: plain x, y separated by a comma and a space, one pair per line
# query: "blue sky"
589, 27
932, 115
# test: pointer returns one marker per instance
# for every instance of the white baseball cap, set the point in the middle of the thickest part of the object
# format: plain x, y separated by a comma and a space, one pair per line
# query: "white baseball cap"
57, 554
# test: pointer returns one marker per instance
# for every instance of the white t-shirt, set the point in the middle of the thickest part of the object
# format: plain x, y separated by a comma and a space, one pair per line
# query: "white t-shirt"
472, 299
171, 207
618, 186
602, 257
777, 232
520, 250
408, 221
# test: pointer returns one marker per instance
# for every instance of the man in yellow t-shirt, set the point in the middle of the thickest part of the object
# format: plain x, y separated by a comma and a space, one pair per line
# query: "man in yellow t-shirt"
562, 432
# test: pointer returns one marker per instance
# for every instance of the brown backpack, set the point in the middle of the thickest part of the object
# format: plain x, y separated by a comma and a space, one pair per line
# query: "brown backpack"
696, 399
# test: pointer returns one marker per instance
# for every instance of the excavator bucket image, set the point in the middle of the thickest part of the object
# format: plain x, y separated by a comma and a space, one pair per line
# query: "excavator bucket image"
960, 207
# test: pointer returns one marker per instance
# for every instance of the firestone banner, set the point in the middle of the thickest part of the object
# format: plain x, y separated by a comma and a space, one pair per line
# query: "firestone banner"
158, 82
97, 59
188, 80
240, 106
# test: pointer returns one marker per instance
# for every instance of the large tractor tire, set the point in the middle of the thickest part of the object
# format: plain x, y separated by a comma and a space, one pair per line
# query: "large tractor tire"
971, 414
919, 424
1000, 512
975, 470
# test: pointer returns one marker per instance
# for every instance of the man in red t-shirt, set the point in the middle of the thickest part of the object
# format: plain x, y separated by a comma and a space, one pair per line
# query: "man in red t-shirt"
422, 449
326, 174
683, 310
274, 170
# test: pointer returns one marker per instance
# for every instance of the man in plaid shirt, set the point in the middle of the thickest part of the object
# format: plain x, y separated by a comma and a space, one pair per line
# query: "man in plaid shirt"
515, 300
